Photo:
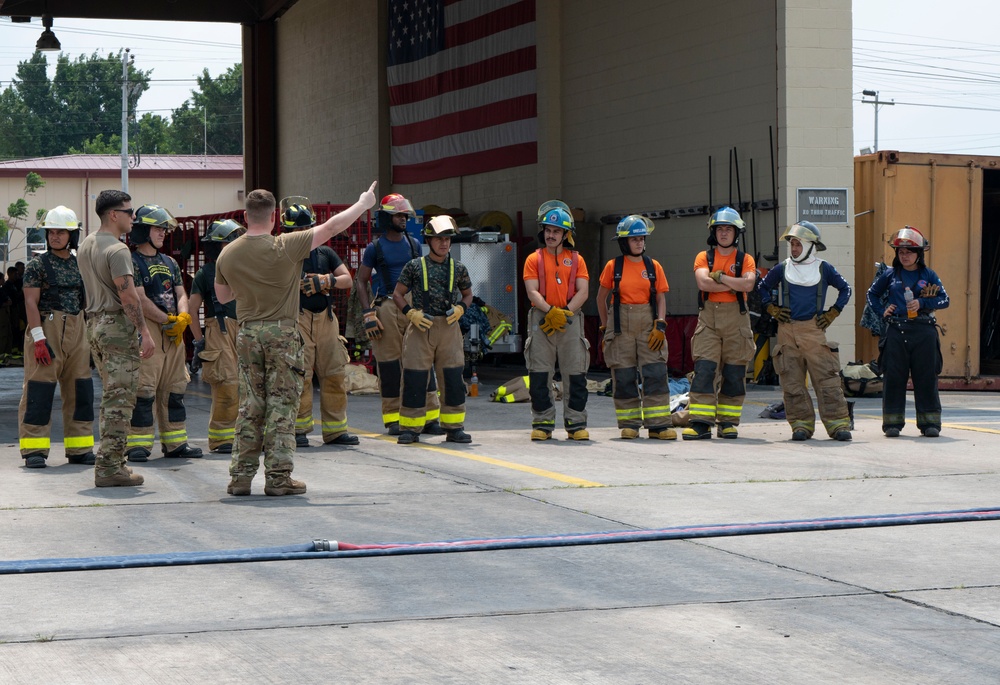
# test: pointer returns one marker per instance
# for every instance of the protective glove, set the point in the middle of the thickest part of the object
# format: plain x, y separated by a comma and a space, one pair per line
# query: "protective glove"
176, 325
779, 314
826, 318
657, 336
419, 319
930, 290
555, 320
373, 327
43, 353
717, 276
199, 347
455, 313
316, 283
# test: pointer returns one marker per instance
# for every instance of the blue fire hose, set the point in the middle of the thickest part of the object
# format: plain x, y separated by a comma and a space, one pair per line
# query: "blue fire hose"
331, 549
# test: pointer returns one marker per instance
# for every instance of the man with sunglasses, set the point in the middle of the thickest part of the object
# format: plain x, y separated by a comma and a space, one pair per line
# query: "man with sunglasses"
114, 317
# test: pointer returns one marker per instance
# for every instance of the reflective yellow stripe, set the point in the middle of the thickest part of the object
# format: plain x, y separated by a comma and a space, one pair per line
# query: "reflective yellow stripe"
334, 426
79, 441
171, 436
451, 273
701, 410
390, 418
221, 433
140, 441
501, 391
433, 415
453, 418
655, 412
35, 443
407, 422
507, 398
629, 413
729, 410
304, 423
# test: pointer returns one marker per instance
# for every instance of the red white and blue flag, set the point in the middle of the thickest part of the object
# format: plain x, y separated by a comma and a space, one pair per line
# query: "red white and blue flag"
462, 96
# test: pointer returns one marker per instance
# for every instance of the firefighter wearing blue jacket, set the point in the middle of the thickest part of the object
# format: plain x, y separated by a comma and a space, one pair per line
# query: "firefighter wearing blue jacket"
801, 282
910, 345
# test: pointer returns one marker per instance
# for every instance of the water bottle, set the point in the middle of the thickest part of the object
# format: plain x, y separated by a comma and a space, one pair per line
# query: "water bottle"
474, 385
908, 297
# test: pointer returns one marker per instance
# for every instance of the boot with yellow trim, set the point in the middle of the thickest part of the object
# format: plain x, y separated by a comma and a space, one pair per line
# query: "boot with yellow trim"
578, 434
662, 434
697, 431
539, 434
629, 434
727, 431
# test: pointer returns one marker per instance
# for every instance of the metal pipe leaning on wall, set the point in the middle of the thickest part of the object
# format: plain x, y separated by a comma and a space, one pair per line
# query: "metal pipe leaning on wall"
331, 549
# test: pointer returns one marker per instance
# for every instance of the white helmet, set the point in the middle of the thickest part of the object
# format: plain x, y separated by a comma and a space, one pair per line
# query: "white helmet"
63, 218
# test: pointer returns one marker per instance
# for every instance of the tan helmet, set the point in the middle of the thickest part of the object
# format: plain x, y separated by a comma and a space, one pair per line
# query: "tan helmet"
441, 226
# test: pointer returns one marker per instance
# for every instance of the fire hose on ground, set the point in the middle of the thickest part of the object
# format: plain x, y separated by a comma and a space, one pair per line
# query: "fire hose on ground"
332, 549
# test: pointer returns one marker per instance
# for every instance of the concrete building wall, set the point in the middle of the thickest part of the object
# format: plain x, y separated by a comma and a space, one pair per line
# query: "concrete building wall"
328, 115
815, 121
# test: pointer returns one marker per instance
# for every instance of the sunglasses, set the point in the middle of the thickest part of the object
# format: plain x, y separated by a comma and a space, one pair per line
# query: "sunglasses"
129, 210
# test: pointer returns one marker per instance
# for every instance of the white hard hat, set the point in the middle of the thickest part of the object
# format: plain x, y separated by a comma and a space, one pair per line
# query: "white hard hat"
61, 217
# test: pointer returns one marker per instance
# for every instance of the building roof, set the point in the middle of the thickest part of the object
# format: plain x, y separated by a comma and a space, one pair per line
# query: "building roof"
177, 166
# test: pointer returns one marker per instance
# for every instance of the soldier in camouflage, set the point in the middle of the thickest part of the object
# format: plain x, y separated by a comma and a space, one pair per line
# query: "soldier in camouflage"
114, 316
262, 273
55, 349
434, 339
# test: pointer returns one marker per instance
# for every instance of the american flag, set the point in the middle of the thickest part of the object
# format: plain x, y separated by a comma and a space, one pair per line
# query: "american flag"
462, 96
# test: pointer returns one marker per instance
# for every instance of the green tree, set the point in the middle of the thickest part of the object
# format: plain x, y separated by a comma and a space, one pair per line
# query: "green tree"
42, 117
223, 98
18, 210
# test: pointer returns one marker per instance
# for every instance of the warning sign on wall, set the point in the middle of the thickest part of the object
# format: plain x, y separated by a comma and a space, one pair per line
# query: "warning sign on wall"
822, 205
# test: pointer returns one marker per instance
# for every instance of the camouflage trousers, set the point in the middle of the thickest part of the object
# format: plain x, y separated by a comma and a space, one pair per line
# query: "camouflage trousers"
271, 372
115, 347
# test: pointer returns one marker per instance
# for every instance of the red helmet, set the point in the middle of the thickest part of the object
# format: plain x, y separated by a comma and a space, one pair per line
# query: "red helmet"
909, 237
394, 203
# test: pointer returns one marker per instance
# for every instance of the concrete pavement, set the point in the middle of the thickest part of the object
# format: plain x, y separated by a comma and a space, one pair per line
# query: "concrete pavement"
912, 604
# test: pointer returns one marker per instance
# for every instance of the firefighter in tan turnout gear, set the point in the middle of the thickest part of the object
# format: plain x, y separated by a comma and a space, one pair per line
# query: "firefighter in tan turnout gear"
634, 333
433, 339
557, 285
163, 378
55, 348
324, 350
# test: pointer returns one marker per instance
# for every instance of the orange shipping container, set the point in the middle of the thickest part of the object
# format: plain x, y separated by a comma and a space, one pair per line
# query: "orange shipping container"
954, 200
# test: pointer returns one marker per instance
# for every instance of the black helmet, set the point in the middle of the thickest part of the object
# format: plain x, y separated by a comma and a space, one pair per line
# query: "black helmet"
146, 217
222, 231
297, 213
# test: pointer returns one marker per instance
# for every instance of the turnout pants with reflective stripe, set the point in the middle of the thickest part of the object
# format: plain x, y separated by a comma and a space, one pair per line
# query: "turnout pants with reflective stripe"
439, 348
569, 350
115, 346
326, 355
632, 362
271, 371
802, 348
722, 346
220, 370
912, 350
163, 379
388, 352
70, 368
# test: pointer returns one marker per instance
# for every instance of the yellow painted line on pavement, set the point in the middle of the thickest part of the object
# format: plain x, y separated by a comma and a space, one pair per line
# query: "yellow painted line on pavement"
561, 477
955, 426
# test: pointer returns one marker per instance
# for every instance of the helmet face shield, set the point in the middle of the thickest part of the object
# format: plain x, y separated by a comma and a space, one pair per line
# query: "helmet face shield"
909, 237
297, 212
222, 231
550, 205
154, 215
725, 216
394, 203
441, 226
634, 225
806, 232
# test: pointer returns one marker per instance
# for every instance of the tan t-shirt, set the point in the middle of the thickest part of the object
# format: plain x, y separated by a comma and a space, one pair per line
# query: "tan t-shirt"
264, 273
102, 259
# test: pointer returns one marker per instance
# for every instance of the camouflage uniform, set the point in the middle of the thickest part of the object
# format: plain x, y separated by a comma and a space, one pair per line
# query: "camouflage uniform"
60, 308
439, 347
163, 378
271, 371
115, 347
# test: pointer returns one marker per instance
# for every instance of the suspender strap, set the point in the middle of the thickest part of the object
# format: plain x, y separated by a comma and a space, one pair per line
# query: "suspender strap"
616, 297
820, 291
426, 285
154, 284
740, 297
220, 313
574, 267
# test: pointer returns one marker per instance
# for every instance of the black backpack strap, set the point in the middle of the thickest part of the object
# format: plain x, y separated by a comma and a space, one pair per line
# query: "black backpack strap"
740, 297
647, 262
220, 314
710, 257
383, 268
616, 297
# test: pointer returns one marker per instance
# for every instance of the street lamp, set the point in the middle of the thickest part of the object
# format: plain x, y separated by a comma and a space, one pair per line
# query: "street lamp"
876, 102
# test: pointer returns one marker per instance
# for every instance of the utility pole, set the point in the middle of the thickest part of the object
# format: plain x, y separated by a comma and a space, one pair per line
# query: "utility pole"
876, 102
204, 153
126, 61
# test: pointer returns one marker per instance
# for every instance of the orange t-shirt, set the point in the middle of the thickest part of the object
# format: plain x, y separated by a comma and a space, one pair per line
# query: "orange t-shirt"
726, 264
635, 283
556, 274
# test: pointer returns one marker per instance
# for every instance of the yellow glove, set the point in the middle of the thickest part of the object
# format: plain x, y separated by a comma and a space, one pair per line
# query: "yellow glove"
780, 314
176, 326
555, 320
717, 276
826, 318
456, 313
419, 319
930, 290
657, 336
373, 327
316, 283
